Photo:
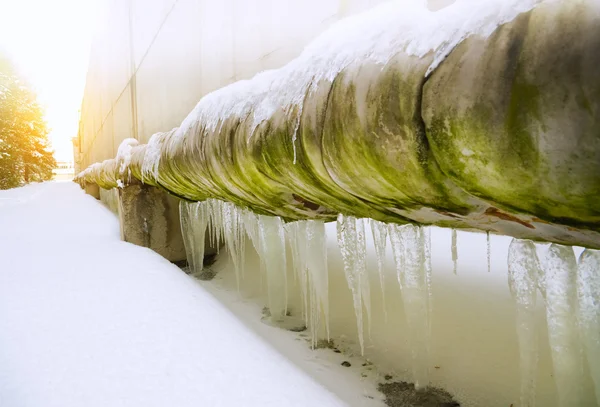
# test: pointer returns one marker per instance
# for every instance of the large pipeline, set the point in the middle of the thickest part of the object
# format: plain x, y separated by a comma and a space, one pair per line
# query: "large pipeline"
483, 115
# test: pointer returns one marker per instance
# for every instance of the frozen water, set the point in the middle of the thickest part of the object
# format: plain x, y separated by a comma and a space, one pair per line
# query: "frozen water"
250, 221
351, 240
318, 276
194, 221
361, 264
234, 237
272, 254
380, 232
296, 235
184, 220
560, 272
215, 224
308, 245
410, 248
489, 252
588, 290
454, 251
523, 272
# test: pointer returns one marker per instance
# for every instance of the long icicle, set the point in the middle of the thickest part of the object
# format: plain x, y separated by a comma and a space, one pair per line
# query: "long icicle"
489, 252
316, 262
230, 234
348, 243
523, 272
409, 244
290, 235
454, 252
296, 234
361, 264
198, 231
249, 222
272, 250
426, 233
240, 238
380, 232
184, 220
559, 269
588, 290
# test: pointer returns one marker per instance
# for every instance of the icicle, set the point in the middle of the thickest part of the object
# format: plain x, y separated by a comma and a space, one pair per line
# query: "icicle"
489, 252
397, 242
250, 221
199, 225
409, 244
295, 135
428, 276
454, 251
348, 241
230, 228
216, 226
272, 253
316, 265
184, 221
560, 277
361, 263
217, 218
588, 290
211, 223
194, 219
290, 236
296, 233
379, 231
240, 237
523, 271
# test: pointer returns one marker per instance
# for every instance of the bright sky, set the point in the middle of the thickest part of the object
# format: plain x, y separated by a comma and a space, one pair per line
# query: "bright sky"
49, 42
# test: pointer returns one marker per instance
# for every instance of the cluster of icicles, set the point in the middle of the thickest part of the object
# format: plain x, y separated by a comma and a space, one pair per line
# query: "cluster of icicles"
570, 288
571, 291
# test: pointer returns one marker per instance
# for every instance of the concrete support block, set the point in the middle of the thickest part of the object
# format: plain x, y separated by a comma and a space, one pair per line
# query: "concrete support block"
149, 217
110, 198
93, 190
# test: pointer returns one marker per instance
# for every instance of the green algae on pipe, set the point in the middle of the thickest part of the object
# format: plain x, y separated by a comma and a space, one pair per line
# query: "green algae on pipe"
464, 140
514, 119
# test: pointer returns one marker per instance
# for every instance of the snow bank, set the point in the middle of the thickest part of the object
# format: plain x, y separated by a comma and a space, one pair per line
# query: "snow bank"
88, 320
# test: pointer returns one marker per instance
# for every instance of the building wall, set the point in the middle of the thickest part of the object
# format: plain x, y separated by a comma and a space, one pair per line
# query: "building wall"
153, 60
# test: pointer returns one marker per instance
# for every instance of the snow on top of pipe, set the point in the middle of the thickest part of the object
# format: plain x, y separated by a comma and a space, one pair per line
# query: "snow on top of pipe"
124, 153
152, 155
374, 36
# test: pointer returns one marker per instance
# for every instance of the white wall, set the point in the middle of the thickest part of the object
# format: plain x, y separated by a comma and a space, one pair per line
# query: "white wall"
153, 60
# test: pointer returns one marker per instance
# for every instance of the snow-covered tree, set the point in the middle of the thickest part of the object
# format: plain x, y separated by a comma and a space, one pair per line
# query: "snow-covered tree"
25, 154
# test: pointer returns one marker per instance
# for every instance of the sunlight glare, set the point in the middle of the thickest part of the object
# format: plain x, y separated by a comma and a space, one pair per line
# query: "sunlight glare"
49, 42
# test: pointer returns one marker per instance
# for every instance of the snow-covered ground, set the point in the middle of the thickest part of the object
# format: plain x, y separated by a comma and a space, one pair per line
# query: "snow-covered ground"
89, 320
